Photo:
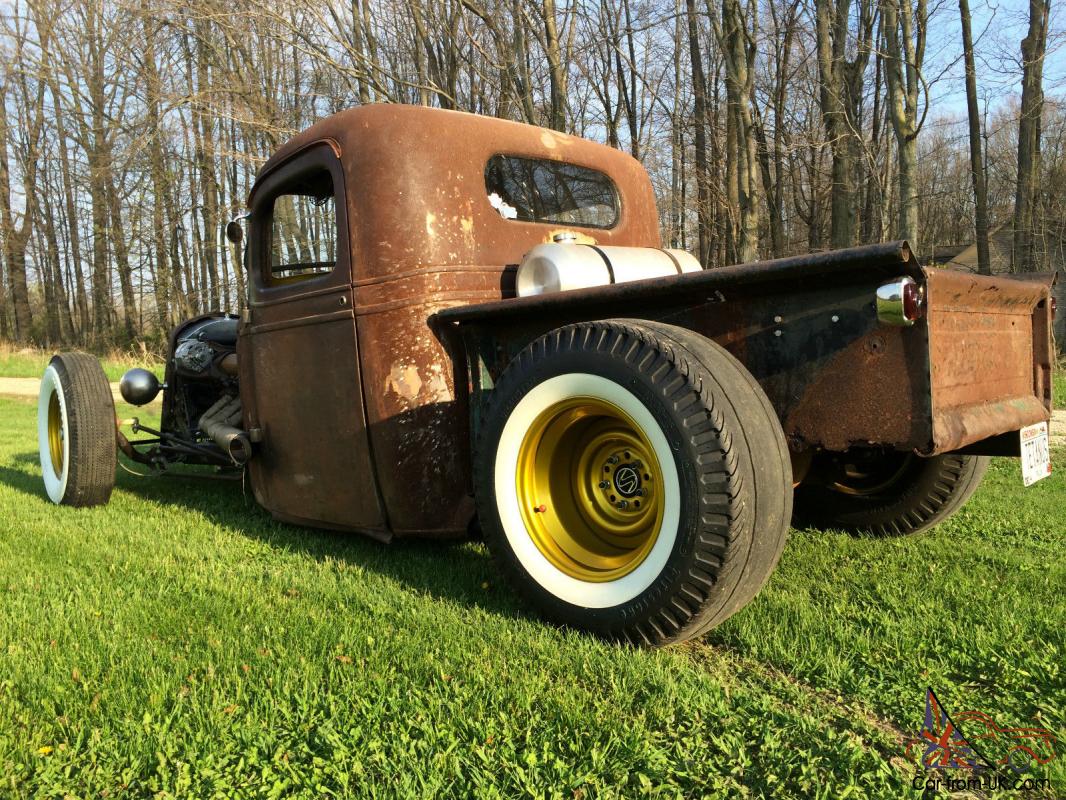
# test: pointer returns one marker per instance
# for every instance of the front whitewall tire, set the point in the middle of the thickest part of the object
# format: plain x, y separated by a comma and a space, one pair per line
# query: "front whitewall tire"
55, 483
76, 431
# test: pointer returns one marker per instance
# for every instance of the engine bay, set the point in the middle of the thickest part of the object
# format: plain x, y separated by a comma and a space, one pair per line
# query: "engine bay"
201, 411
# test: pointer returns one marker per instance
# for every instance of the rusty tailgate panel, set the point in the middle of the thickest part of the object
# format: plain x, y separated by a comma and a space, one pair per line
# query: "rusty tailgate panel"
990, 355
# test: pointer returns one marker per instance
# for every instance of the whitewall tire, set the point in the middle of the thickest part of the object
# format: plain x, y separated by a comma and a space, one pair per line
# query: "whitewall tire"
632, 479
76, 433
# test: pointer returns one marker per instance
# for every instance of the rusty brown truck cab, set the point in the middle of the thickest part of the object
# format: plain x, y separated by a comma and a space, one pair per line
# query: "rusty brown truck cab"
461, 325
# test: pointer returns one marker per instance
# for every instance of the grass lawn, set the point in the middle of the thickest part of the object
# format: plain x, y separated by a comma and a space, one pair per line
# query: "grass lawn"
181, 642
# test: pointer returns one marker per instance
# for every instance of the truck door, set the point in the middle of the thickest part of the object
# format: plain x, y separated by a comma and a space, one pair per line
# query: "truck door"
299, 358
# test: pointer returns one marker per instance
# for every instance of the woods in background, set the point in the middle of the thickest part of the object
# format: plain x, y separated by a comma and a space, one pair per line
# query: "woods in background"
131, 131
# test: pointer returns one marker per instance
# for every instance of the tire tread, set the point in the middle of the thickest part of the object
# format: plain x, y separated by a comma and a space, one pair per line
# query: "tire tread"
92, 453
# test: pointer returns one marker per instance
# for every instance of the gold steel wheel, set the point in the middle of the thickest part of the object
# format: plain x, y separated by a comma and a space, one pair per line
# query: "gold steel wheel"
55, 433
590, 489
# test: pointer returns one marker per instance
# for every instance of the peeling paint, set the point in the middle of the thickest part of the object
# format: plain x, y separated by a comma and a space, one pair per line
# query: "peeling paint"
404, 381
437, 389
431, 218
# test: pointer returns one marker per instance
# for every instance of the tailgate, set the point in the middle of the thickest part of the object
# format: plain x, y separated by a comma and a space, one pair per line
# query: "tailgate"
990, 355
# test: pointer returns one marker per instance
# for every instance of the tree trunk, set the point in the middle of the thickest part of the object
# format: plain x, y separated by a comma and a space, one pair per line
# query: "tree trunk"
157, 170
903, 32
675, 206
772, 154
120, 248
872, 229
16, 235
699, 90
57, 305
238, 266
977, 161
1033, 48
738, 47
556, 67
15, 238
362, 82
770, 186
71, 213
205, 162
840, 97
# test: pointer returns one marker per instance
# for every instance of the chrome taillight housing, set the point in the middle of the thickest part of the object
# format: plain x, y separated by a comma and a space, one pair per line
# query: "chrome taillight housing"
900, 302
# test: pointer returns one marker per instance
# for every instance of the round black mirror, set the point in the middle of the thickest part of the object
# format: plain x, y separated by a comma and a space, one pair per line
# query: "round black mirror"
234, 231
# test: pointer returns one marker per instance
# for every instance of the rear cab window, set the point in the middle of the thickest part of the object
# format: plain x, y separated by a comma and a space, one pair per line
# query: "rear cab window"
552, 192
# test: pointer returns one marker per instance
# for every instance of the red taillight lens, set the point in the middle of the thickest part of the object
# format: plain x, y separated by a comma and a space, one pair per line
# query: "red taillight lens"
912, 302
900, 302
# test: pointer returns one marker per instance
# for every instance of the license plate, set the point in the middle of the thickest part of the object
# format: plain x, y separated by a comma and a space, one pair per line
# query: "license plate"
1036, 453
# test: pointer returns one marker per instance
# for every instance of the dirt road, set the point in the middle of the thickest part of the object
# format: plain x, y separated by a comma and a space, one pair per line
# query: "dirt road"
29, 387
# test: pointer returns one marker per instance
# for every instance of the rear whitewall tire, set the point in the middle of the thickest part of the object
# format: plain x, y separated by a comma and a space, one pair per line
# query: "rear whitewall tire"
571, 590
926, 493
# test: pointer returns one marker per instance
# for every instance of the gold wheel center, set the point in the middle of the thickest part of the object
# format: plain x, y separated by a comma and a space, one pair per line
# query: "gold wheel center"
55, 433
590, 489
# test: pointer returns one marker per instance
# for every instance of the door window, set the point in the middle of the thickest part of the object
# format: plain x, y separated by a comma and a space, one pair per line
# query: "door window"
303, 230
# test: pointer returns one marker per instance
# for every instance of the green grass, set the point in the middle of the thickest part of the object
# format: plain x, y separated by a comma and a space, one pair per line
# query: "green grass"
181, 642
1058, 385
30, 362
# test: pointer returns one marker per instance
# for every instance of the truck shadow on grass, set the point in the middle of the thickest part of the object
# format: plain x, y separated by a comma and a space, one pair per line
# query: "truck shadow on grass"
461, 572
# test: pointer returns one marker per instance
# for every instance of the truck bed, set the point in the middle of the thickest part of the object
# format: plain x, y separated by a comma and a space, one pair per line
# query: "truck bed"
975, 366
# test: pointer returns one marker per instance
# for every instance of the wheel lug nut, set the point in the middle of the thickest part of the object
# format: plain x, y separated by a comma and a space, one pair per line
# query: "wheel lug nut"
613, 460
605, 484
622, 505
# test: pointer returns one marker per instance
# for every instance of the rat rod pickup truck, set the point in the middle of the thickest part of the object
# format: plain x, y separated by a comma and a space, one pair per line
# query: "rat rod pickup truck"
464, 326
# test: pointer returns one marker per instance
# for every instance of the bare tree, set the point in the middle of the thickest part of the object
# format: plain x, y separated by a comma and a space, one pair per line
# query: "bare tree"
977, 161
699, 91
129, 140
903, 28
840, 92
734, 32
1034, 46
28, 99
553, 51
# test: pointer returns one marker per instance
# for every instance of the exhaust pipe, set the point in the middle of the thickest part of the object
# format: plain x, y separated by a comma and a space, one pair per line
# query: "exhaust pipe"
219, 423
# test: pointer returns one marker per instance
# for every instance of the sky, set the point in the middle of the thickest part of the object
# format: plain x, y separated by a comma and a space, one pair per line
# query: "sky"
998, 29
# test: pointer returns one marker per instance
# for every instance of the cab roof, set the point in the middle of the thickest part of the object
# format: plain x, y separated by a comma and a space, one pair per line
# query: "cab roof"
415, 184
